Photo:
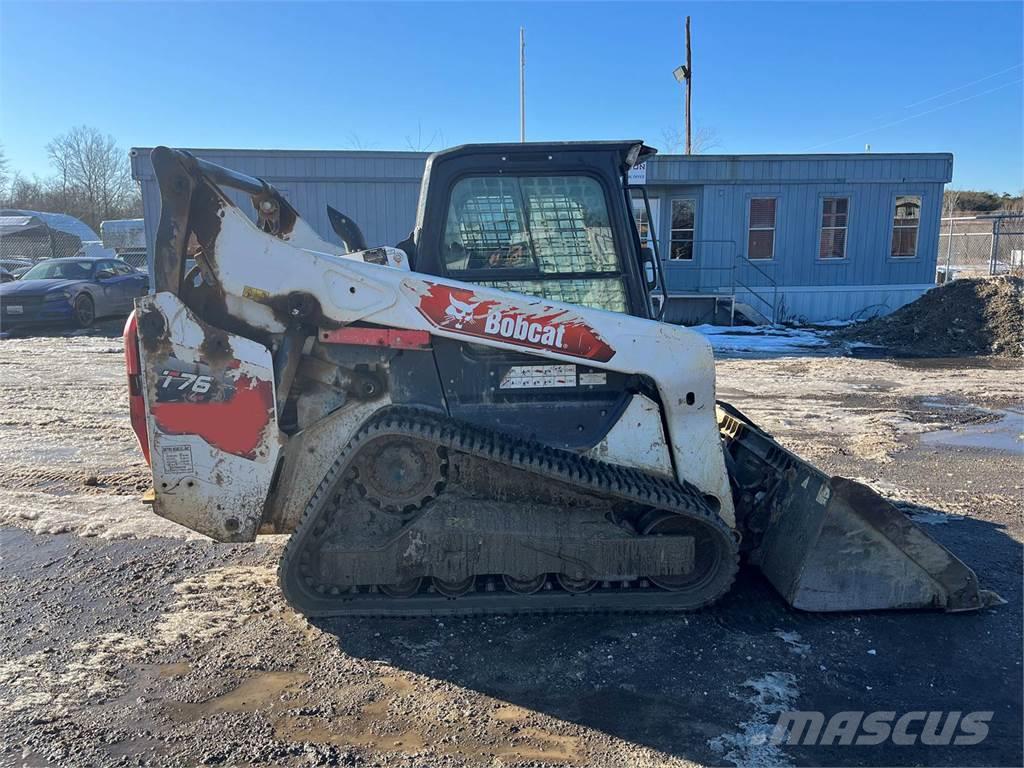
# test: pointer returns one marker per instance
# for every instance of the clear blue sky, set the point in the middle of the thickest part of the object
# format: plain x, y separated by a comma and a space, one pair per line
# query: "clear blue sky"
768, 77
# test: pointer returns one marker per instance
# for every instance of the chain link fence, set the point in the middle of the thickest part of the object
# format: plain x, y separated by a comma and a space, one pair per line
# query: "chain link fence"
28, 237
970, 246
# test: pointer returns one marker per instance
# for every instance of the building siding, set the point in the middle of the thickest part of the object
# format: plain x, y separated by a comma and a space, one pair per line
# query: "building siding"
379, 190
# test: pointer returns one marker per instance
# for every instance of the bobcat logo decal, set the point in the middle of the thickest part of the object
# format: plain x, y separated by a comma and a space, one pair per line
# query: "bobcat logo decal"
460, 311
515, 320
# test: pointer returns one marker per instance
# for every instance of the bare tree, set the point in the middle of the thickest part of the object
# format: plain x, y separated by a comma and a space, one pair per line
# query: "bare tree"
4, 176
418, 145
673, 140
950, 202
93, 175
357, 142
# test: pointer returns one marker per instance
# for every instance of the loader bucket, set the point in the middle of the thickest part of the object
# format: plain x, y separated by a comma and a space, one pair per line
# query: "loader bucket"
833, 544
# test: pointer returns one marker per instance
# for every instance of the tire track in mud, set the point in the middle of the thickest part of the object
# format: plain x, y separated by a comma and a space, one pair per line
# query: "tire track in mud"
64, 481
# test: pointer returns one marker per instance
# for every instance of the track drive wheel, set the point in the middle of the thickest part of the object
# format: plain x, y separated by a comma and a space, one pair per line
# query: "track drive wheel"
399, 475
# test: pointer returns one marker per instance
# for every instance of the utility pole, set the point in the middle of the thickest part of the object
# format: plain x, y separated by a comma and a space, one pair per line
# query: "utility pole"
522, 84
682, 74
689, 78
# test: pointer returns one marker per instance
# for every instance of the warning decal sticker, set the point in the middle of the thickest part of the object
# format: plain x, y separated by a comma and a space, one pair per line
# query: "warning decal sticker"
536, 376
178, 459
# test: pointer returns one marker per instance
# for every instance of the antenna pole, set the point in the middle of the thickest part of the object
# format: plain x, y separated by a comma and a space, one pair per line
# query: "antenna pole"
522, 84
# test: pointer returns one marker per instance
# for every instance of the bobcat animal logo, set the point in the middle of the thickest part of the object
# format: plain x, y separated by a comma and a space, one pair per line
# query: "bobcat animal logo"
460, 311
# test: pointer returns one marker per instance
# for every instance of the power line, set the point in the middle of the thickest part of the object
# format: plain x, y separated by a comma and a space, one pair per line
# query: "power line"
919, 114
965, 85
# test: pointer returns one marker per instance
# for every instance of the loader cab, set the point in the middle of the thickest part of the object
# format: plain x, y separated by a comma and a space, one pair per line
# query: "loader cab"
551, 220
547, 220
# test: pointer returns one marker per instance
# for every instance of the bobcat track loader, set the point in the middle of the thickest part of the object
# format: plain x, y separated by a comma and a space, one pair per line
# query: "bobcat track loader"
487, 418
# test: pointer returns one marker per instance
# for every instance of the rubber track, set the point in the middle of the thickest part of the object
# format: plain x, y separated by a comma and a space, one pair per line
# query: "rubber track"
550, 463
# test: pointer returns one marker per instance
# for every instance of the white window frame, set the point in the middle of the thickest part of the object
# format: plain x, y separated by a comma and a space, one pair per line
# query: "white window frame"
652, 226
750, 228
692, 230
822, 227
916, 226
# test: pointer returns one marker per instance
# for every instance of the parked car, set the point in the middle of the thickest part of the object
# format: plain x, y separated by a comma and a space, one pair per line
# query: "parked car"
75, 290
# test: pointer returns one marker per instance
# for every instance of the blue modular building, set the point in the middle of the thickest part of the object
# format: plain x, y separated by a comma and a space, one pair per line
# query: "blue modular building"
784, 237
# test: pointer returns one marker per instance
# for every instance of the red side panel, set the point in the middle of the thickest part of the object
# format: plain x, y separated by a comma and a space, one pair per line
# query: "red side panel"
136, 404
234, 425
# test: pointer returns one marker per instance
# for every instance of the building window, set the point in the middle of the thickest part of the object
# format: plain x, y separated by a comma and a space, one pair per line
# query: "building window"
644, 228
905, 221
761, 237
832, 243
684, 216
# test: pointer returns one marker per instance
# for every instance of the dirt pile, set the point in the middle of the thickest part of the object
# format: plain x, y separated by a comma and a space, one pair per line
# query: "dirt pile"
980, 316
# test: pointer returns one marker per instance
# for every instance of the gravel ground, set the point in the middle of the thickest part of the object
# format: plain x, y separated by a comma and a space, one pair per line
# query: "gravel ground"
128, 641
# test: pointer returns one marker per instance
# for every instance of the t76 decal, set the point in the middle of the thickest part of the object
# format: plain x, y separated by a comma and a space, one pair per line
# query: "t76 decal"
229, 411
535, 326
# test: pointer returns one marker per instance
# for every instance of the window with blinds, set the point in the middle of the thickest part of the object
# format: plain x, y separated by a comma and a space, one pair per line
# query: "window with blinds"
832, 242
684, 216
643, 226
761, 235
906, 219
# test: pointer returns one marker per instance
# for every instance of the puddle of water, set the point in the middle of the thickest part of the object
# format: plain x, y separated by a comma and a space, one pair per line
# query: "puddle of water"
1005, 434
173, 670
342, 733
397, 684
363, 730
510, 714
255, 694
374, 728
552, 748
947, 363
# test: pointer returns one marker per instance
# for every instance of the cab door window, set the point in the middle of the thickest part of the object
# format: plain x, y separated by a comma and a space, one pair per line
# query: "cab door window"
547, 236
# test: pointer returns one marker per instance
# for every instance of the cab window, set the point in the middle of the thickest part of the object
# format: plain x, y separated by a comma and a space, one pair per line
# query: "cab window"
548, 236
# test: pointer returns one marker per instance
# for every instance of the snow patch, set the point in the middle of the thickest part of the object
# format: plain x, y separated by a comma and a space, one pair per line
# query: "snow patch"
106, 517
794, 641
44, 679
205, 606
212, 603
933, 518
767, 340
773, 693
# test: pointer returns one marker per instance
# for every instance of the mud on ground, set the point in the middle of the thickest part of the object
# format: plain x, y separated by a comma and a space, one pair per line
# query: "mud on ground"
127, 641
